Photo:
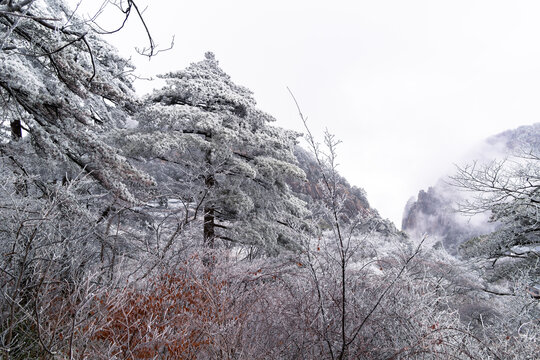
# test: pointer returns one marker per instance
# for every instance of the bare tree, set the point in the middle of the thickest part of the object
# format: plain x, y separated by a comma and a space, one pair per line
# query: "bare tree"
50, 265
509, 191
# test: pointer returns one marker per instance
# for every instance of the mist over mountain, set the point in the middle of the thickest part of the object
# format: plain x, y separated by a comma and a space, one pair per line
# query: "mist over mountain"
435, 211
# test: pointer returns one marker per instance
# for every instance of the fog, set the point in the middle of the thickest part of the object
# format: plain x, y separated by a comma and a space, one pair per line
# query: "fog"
409, 87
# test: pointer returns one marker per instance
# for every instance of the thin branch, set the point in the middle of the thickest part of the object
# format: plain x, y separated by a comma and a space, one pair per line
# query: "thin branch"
150, 39
91, 59
381, 297
9, 13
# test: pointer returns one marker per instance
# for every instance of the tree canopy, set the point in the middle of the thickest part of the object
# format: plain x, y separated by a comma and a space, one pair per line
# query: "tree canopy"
227, 159
64, 86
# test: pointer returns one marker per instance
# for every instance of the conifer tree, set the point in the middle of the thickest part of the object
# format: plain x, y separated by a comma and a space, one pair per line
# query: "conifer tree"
227, 160
65, 87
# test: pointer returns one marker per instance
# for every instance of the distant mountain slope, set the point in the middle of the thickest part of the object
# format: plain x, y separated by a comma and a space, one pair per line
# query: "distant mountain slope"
433, 212
522, 138
356, 203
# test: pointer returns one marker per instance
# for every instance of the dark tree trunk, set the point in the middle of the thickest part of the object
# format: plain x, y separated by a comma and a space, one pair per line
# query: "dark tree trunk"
16, 129
209, 227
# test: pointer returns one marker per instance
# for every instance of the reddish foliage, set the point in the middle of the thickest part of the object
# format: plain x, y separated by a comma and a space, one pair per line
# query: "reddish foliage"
172, 319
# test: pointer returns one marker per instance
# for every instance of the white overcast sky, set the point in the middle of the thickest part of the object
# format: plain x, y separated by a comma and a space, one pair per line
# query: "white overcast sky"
408, 86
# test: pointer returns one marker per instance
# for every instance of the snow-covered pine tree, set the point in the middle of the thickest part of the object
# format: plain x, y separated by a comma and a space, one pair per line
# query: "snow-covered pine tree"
219, 153
62, 89
64, 86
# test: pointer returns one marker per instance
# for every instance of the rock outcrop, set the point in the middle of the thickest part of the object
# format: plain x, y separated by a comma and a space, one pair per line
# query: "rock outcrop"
355, 199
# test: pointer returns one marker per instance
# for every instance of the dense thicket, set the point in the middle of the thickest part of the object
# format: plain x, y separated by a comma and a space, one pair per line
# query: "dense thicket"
180, 237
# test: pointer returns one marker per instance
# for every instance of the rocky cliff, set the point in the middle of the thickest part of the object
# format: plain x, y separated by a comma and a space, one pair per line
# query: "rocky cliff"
433, 213
355, 199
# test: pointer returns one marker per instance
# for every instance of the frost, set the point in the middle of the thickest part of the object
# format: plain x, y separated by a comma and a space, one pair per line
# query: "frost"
65, 92
209, 129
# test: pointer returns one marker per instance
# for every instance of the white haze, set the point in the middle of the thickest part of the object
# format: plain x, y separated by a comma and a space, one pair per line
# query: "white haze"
408, 86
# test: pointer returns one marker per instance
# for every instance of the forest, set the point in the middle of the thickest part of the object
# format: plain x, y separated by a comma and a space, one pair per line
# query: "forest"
185, 225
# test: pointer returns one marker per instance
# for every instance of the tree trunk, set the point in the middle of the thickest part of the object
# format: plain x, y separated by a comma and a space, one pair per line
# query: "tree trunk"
209, 226
16, 129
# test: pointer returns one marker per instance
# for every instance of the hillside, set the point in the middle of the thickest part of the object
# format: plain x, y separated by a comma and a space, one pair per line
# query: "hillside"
355, 202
